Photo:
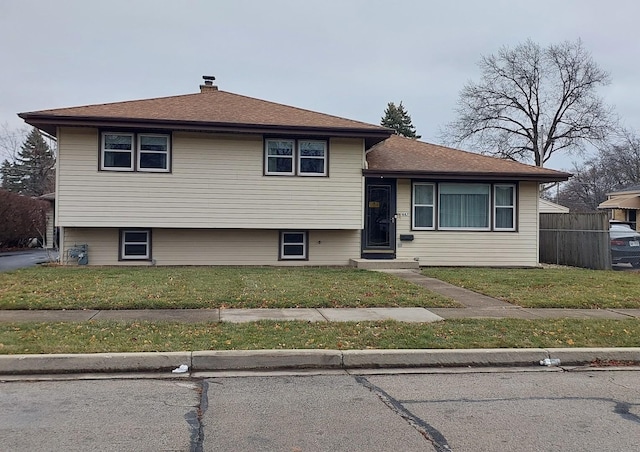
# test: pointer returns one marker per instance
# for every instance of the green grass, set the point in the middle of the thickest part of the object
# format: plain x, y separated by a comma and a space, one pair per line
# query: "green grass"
548, 287
57, 287
103, 336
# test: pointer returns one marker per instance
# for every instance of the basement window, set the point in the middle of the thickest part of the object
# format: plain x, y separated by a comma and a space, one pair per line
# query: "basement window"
135, 244
293, 245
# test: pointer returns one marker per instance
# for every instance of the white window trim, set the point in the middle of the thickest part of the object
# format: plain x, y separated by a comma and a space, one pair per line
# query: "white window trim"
123, 242
512, 207
304, 243
140, 152
103, 151
414, 205
323, 158
445, 228
267, 157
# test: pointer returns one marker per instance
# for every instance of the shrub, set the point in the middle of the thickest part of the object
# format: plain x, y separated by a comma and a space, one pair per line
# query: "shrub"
22, 218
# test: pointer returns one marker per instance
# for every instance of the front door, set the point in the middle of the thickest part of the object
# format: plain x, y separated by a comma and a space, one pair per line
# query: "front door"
379, 235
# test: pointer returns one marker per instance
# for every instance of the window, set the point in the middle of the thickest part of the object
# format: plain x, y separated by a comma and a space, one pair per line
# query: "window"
293, 245
135, 244
280, 157
423, 208
153, 152
119, 151
312, 158
464, 206
505, 207
295, 157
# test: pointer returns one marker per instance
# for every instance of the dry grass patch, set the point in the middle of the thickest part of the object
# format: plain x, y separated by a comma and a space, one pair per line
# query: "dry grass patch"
57, 287
110, 336
561, 287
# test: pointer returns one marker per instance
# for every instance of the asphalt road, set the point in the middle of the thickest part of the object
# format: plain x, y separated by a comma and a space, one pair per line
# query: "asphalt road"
21, 259
462, 411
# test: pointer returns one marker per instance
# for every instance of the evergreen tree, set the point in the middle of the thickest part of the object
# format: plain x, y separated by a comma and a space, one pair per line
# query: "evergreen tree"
33, 172
398, 119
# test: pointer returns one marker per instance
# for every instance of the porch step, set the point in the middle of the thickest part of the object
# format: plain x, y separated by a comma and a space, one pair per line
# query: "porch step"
386, 264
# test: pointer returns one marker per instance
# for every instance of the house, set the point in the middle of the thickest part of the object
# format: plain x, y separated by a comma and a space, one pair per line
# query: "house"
624, 205
49, 236
546, 206
216, 178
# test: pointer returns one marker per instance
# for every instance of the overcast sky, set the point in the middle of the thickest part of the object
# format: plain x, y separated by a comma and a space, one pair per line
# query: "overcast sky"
343, 57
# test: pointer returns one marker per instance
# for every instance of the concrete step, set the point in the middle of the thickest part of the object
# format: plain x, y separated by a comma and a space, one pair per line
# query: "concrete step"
378, 264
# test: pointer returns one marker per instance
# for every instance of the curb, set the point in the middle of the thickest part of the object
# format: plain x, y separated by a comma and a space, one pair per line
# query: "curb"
271, 360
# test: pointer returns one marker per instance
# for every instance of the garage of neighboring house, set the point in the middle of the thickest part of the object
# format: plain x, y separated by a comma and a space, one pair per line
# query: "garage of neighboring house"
624, 205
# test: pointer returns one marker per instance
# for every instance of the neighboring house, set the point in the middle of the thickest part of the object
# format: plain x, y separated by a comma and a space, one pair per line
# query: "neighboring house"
546, 206
216, 178
49, 239
624, 205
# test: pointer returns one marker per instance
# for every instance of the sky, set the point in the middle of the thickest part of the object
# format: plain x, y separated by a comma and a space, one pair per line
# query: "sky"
347, 58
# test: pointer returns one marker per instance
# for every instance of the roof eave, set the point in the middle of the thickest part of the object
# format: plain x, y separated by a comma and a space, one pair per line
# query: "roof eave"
472, 175
49, 123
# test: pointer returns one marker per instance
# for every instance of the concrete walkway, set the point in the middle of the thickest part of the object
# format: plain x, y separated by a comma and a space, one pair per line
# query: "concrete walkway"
478, 306
474, 306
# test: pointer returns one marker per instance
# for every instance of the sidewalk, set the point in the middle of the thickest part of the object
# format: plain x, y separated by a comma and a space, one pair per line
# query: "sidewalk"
243, 362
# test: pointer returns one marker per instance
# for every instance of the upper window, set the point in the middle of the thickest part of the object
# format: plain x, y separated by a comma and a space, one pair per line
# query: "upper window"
464, 206
117, 151
121, 151
312, 156
280, 156
505, 207
153, 152
423, 206
295, 157
135, 244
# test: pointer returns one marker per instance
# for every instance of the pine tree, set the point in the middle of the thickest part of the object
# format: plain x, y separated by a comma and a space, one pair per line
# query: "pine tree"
398, 119
33, 172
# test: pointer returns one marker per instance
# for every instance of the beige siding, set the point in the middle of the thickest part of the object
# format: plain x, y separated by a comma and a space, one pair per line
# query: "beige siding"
462, 248
216, 182
49, 233
216, 247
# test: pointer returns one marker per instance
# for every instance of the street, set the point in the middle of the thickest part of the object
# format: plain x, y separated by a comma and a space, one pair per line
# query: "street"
14, 260
460, 410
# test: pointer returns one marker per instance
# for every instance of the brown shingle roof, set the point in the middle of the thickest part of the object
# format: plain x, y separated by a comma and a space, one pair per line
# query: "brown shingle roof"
399, 156
209, 109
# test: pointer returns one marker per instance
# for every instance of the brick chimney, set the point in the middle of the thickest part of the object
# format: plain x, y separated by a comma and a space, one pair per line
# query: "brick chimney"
208, 84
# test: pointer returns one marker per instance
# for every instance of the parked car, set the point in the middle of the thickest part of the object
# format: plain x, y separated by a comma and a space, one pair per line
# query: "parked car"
625, 244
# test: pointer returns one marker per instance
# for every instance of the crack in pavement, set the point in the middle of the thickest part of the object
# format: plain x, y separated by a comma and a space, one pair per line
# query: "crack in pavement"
194, 418
427, 431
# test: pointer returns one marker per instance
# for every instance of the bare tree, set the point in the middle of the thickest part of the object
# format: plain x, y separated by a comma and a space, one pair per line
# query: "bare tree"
617, 167
532, 102
11, 141
587, 188
622, 159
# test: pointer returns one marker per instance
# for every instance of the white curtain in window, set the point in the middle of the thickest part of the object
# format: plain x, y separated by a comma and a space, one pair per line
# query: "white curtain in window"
464, 206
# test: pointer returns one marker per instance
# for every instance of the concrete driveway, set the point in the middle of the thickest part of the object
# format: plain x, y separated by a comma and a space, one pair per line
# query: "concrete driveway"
14, 260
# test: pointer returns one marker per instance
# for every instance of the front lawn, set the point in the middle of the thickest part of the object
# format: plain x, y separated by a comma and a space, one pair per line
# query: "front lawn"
110, 336
558, 287
57, 287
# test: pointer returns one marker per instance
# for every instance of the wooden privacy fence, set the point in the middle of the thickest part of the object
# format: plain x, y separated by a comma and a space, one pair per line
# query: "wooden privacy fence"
576, 239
